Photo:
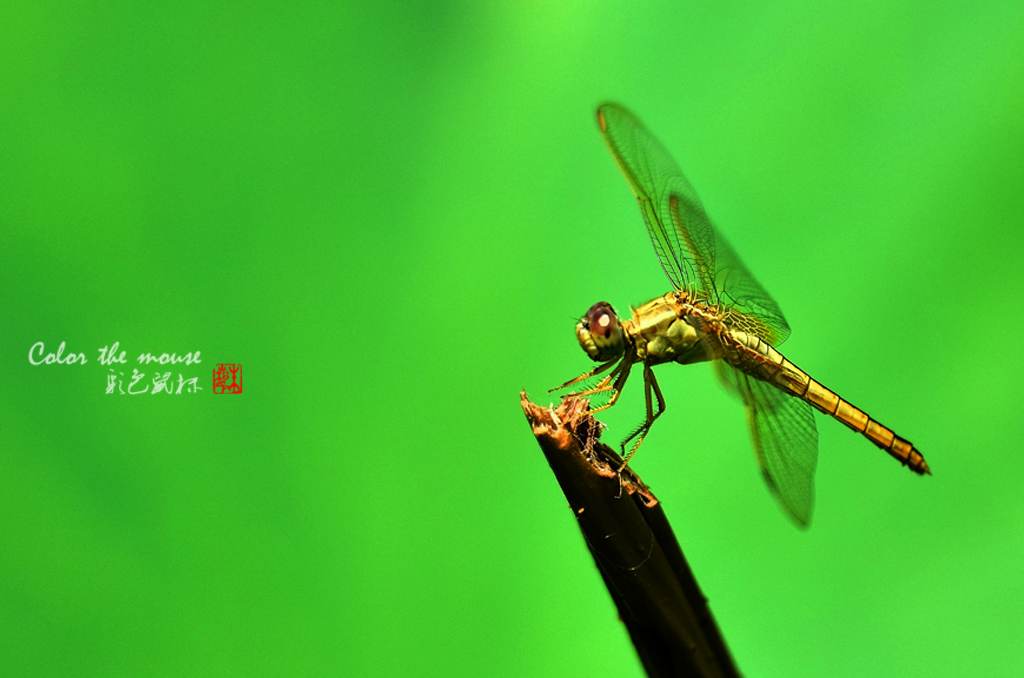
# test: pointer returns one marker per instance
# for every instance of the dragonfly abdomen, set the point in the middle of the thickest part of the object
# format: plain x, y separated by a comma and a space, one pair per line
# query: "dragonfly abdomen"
828, 402
759, 359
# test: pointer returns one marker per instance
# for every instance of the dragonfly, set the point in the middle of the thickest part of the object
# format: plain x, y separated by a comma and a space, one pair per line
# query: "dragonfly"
717, 312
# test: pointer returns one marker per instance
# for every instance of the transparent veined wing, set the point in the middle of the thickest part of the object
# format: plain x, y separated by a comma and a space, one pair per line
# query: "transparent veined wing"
745, 303
676, 221
693, 255
785, 439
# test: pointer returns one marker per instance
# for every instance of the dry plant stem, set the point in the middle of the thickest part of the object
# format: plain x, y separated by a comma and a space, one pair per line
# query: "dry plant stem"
633, 546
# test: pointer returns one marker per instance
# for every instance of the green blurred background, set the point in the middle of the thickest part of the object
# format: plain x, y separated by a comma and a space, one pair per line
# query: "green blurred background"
391, 215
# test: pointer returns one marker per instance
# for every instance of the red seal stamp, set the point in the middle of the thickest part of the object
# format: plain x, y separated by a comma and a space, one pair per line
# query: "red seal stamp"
227, 378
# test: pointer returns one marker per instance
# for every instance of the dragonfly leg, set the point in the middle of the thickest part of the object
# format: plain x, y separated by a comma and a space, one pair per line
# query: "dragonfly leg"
592, 373
621, 373
650, 385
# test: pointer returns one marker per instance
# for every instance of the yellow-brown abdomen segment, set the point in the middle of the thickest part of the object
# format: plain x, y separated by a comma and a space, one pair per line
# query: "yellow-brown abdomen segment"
797, 382
756, 357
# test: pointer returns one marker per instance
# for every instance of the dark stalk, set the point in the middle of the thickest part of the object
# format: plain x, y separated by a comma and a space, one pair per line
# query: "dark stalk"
633, 546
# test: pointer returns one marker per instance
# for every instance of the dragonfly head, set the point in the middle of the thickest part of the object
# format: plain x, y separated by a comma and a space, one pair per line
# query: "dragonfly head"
600, 333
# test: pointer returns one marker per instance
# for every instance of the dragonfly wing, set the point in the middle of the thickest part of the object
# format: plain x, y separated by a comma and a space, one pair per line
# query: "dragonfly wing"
676, 221
728, 377
747, 305
785, 438
693, 255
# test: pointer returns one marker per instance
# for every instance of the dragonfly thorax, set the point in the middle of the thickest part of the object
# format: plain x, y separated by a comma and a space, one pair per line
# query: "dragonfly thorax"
669, 328
600, 333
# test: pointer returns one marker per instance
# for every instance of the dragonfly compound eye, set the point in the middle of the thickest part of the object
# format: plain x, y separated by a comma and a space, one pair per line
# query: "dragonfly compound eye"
600, 333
